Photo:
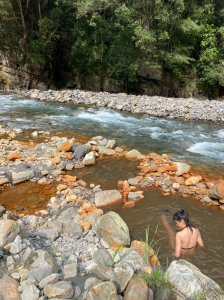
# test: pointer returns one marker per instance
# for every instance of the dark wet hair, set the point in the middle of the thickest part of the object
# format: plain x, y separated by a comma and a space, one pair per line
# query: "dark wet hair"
183, 215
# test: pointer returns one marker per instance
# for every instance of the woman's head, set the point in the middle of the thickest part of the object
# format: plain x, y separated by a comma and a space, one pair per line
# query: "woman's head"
181, 219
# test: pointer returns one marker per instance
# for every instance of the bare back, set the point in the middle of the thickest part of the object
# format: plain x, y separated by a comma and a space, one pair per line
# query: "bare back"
187, 238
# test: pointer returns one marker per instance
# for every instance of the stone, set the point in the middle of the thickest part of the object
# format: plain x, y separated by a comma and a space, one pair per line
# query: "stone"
16, 245
34, 133
217, 190
142, 248
193, 180
112, 228
134, 154
30, 293
69, 166
111, 144
60, 289
105, 151
123, 275
135, 181
135, 196
8, 231
101, 291
107, 197
103, 257
48, 233
81, 151
130, 257
9, 289
14, 155
188, 281
66, 146
18, 177
44, 260
70, 270
90, 282
3, 180
72, 228
2, 210
182, 168
53, 278
89, 159
137, 289
40, 273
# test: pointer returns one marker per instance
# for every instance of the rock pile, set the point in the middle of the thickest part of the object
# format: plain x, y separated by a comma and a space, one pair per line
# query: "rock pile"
189, 109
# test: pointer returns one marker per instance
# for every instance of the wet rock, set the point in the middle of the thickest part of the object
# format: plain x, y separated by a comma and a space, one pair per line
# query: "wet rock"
193, 180
89, 159
134, 154
217, 190
182, 168
111, 144
189, 281
18, 177
81, 151
9, 289
137, 289
61, 289
105, 151
135, 196
106, 197
30, 293
8, 231
101, 291
113, 229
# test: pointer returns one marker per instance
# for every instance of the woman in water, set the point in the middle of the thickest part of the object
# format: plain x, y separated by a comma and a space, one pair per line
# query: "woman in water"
187, 237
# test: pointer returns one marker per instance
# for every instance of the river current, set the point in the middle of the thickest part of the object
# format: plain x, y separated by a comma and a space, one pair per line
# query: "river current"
198, 143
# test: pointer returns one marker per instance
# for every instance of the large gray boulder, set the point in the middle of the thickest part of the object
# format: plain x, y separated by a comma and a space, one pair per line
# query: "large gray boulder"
112, 228
8, 231
188, 281
81, 151
107, 197
60, 289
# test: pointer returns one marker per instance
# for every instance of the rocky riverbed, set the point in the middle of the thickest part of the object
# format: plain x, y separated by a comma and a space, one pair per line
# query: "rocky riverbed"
72, 250
187, 109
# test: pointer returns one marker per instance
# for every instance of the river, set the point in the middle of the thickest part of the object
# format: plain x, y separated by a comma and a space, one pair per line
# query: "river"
198, 143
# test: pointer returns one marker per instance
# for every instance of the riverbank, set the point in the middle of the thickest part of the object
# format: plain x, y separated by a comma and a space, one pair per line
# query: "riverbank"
174, 108
35, 247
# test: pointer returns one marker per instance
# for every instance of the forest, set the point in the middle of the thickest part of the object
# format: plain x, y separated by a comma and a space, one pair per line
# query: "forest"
125, 40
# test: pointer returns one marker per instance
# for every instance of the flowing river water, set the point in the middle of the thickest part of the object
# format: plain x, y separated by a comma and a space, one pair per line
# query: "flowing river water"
198, 143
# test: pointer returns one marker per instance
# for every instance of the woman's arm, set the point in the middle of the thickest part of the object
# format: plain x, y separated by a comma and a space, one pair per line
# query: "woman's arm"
199, 240
170, 231
178, 245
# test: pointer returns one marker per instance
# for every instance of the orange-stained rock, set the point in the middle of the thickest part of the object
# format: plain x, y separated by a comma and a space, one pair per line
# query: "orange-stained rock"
88, 207
82, 212
202, 191
154, 261
220, 187
85, 225
70, 178
31, 158
14, 155
71, 198
55, 160
65, 147
69, 155
61, 187
142, 248
129, 204
193, 180
120, 185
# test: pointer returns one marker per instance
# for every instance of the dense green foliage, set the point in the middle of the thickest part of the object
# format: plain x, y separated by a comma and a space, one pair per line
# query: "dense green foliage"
182, 39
